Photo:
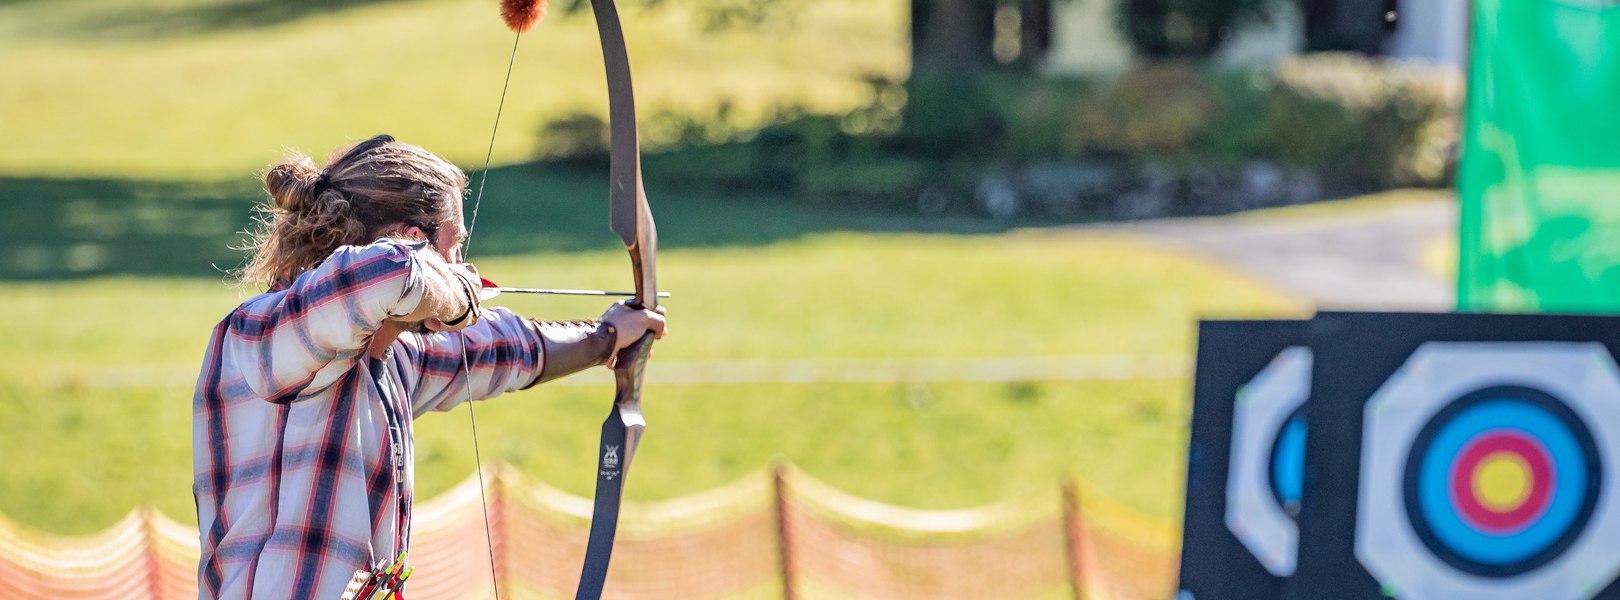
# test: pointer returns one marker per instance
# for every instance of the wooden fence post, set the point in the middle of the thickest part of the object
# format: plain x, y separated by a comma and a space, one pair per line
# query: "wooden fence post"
1073, 534
784, 537
498, 523
153, 563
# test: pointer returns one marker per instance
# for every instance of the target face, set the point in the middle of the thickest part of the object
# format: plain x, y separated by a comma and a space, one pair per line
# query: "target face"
1498, 482
1484, 472
1267, 473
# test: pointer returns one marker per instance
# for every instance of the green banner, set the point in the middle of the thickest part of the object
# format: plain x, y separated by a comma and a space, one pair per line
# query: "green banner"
1540, 175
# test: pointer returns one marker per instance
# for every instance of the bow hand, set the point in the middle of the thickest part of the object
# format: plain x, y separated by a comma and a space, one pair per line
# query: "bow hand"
631, 324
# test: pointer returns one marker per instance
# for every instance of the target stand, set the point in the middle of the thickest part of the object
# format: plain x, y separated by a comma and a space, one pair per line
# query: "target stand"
1245, 461
1461, 456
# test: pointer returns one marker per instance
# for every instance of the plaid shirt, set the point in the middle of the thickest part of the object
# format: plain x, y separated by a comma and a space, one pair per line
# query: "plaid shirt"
302, 445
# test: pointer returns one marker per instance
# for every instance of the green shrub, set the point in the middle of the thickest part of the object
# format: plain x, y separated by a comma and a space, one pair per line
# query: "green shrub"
1362, 122
1336, 121
1154, 112
1385, 123
812, 139
888, 183
672, 128
947, 117
1240, 131
728, 167
1033, 111
577, 137
881, 115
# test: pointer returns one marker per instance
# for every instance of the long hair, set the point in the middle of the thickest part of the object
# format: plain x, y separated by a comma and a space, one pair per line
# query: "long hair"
363, 189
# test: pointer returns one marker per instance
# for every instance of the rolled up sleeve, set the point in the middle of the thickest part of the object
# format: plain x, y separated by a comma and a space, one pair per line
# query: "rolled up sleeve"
298, 340
501, 353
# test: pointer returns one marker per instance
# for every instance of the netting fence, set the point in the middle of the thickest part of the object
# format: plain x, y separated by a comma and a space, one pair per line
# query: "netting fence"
777, 534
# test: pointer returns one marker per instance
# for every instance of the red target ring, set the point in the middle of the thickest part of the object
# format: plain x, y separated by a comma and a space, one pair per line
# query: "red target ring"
1530, 468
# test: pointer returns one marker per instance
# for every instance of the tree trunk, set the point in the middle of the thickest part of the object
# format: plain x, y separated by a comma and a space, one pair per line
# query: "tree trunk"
952, 36
1036, 34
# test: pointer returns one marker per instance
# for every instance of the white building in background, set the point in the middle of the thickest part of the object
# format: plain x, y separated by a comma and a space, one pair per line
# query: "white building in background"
1435, 31
1085, 42
1084, 39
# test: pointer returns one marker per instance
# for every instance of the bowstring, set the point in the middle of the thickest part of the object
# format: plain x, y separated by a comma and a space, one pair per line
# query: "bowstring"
466, 248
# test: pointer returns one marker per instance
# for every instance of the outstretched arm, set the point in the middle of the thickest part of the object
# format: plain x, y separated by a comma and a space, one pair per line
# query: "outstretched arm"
505, 352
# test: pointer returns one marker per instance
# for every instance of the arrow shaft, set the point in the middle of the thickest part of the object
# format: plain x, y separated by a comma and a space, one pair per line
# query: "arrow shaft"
566, 292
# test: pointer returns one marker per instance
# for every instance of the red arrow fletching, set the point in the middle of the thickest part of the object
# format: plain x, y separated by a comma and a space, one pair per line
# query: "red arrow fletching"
521, 15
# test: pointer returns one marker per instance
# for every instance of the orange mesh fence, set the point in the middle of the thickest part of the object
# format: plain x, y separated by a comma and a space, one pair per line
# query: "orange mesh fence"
1120, 553
847, 547
447, 545
122, 561
787, 536
716, 544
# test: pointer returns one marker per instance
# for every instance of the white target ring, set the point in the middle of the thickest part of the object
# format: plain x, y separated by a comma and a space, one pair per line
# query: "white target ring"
1262, 410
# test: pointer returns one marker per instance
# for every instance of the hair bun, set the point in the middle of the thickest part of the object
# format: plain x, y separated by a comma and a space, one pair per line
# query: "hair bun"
292, 184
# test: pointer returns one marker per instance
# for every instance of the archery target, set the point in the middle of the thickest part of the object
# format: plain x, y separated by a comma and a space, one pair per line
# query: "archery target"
1267, 473
1485, 472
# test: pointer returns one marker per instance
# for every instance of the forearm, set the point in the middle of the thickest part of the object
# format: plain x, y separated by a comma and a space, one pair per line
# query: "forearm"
502, 353
569, 347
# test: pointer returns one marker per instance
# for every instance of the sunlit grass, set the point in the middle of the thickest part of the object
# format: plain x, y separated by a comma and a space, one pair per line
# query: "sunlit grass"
174, 88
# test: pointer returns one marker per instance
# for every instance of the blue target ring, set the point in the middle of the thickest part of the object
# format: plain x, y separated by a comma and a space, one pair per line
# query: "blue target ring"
1288, 463
1530, 428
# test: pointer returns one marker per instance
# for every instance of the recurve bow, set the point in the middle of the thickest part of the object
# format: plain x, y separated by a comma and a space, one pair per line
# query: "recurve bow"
632, 219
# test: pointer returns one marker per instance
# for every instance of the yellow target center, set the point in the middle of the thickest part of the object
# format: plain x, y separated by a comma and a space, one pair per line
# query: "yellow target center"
1502, 481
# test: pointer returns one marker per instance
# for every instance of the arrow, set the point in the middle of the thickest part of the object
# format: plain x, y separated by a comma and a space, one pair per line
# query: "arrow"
491, 290
561, 291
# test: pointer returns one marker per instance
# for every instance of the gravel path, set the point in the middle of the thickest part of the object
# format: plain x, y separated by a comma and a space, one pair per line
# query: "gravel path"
1363, 258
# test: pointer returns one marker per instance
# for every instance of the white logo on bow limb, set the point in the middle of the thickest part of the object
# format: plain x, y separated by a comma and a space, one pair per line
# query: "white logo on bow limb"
610, 460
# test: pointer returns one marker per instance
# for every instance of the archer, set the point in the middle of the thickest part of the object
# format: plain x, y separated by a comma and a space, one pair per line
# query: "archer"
303, 412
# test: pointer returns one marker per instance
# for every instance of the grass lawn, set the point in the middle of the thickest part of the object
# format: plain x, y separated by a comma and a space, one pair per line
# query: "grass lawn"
216, 88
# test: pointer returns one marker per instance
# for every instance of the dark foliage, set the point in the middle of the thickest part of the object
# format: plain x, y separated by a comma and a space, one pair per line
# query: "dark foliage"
1186, 28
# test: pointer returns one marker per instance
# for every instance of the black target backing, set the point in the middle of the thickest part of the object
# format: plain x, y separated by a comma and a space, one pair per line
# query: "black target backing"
1214, 563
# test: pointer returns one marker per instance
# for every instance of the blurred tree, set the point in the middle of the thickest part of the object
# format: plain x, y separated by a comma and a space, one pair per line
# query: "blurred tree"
947, 36
720, 13
952, 35
946, 109
967, 36
1186, 28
